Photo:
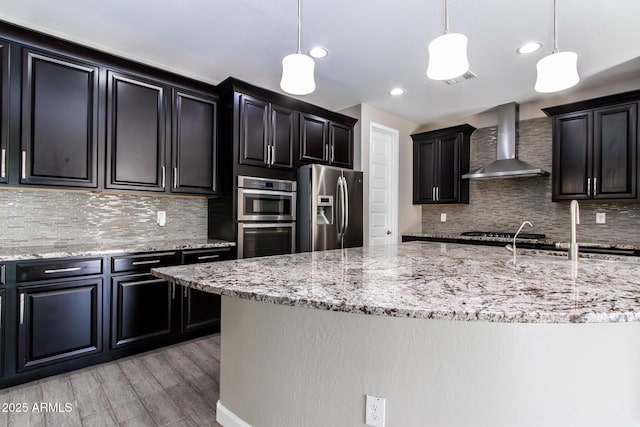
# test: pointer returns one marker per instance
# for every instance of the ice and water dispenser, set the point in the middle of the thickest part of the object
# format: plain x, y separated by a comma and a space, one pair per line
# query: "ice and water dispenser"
324, 213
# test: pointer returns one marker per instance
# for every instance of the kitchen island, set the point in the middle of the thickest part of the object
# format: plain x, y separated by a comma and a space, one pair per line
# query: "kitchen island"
448, 334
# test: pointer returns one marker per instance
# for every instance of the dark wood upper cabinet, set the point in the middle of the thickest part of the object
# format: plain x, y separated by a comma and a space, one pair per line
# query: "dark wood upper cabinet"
136, 130
59, 121
314, 143
194, 143
595, 148
341, 145
267, 133
440, 158
325, 141
4, 111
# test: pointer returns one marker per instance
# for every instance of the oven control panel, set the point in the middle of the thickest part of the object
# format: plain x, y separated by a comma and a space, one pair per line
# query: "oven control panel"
266, 184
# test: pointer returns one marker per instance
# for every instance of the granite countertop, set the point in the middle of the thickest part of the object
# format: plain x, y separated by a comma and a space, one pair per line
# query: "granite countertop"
546, 241
96, 248
431, 281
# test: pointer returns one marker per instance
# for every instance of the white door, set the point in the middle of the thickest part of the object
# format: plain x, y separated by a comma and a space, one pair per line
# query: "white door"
383, 185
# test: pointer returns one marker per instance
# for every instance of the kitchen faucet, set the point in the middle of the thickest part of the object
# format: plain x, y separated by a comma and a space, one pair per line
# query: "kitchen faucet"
575, 220
514, 239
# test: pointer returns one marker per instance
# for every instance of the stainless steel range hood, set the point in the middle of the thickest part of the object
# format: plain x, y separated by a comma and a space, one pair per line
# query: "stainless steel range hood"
506, 165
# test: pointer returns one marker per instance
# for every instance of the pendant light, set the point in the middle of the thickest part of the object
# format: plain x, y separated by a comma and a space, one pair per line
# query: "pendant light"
558, 71
447, 53
297, 70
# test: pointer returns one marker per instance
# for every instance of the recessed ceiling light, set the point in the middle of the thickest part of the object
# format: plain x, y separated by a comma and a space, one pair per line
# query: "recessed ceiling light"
396, 91
318, 52
529, 47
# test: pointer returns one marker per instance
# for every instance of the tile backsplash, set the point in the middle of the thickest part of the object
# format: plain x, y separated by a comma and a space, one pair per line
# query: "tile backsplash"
51, 218
503, 204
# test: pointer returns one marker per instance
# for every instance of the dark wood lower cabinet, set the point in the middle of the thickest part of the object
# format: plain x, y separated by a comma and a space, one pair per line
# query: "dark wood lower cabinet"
140, 309
58, 322
200, 310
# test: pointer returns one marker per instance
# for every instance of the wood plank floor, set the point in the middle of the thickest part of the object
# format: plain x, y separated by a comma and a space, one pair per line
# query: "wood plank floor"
172, 386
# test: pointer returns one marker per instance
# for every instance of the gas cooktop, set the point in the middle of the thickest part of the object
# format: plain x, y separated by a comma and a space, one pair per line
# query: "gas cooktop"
531, 236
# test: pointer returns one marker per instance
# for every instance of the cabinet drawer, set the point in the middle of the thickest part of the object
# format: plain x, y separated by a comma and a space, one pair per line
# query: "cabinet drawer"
142, 262
206, 255
43, 270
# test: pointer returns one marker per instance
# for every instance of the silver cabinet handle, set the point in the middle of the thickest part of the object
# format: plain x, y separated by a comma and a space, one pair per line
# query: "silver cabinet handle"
185, 292
200, 258
268, 154
173, 290
588, 186
438, 193
325, 155
273, 154
22, 308
3, 167
152, 261
595, 187
62, 270
175, 177
24, 164
163, 176
333, 153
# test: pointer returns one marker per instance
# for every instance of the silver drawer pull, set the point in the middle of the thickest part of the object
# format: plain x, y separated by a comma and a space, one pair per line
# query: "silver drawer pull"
175, 177
3, 166
24, 164
62, 270
208, 257
153, 261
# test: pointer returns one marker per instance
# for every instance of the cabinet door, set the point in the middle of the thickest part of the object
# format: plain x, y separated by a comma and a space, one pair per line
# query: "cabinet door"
614, 152
200, 310
135, 134
341, 146
140, 309
254, 128
572, 153
448, 182
59, 121
314, 143
2, 310
58, 322
283, 134
424, 171
4, 111
193, 143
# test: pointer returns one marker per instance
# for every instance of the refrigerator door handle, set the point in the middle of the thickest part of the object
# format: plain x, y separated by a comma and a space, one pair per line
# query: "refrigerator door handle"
346, 205
339, 207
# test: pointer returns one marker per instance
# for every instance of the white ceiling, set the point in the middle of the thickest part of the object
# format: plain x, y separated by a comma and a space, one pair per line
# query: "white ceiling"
374, 44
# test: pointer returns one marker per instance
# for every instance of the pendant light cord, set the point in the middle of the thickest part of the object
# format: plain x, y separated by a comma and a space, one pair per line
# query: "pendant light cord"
299, 26
555, 28
446, 18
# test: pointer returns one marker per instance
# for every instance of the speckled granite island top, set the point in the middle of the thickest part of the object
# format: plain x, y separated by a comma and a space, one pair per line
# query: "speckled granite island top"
431, 281
106, 248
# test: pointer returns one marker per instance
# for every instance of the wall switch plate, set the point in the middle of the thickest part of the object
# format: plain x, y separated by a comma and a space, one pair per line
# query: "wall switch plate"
374, 412
162, 218
601, 218
443, 217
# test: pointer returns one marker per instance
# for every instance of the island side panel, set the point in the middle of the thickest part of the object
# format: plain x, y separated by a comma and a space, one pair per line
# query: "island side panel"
292, 366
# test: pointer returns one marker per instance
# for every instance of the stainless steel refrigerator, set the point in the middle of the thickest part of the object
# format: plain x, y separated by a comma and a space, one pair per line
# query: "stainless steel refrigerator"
329, 208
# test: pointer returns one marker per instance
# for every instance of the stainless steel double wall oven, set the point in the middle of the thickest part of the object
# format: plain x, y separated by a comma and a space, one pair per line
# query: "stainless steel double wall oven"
266, 216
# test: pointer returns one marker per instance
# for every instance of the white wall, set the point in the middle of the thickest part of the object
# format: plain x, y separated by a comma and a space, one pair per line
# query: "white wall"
409, 216
532, 109
290, 366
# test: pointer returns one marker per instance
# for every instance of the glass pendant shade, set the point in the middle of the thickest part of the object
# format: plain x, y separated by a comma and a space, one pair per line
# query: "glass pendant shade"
556, 72
448, 57
297, 74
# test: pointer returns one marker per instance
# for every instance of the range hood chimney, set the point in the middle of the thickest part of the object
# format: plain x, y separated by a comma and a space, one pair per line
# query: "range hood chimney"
506, 165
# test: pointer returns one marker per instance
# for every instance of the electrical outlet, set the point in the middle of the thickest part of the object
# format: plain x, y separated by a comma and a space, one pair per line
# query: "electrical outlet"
601, 218
374, 412
162, 218
443, 217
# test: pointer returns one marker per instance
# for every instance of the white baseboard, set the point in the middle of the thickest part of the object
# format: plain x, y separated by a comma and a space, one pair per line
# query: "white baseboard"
227, 418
